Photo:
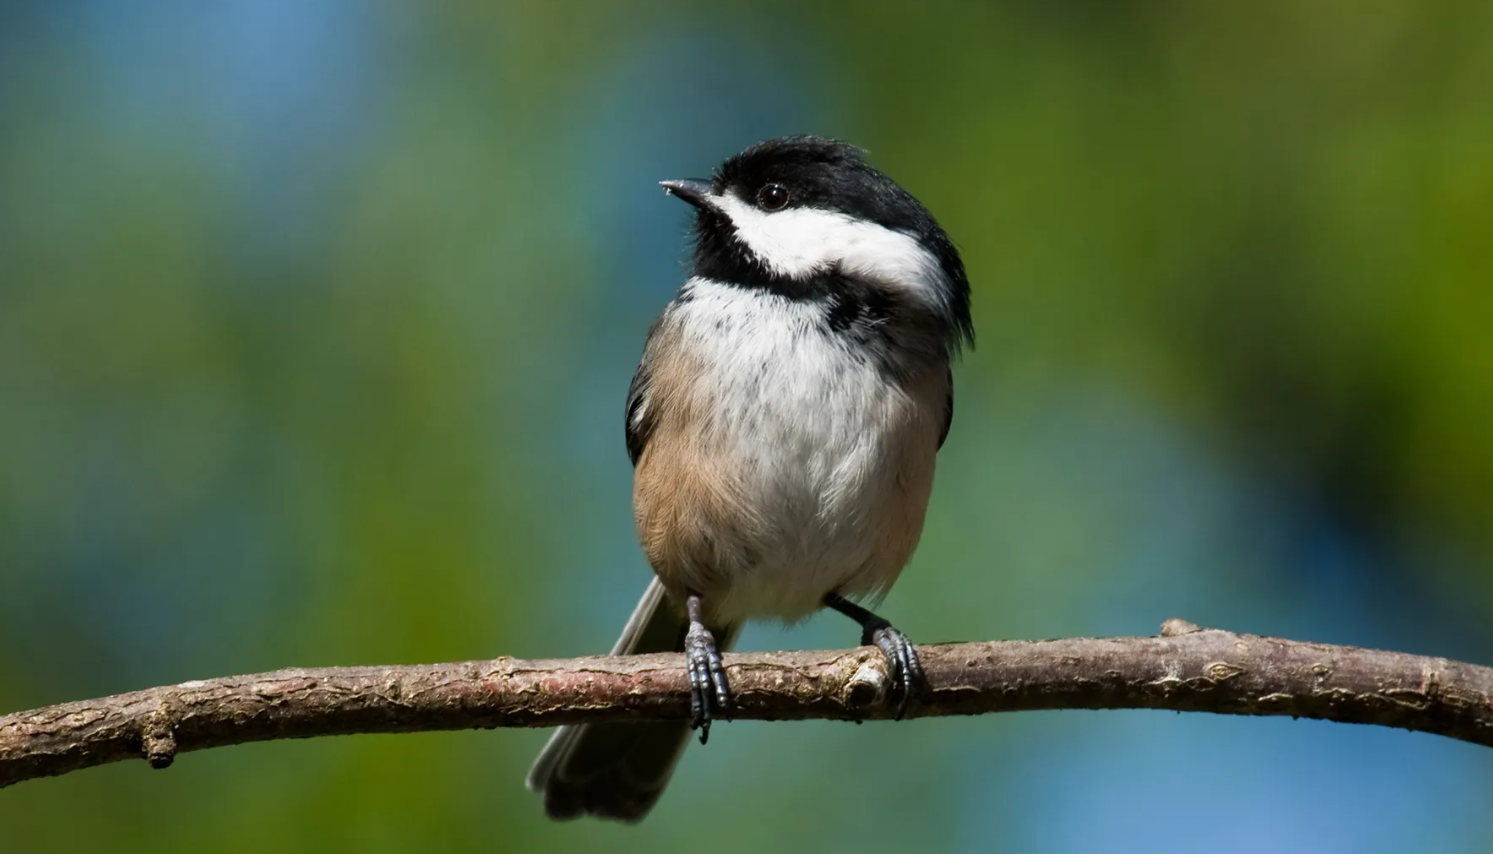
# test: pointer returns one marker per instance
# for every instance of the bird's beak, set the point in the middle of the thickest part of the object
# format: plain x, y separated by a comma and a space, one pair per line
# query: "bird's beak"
691, 190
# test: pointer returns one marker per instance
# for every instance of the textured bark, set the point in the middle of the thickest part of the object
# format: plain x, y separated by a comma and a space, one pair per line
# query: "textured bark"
1185, 669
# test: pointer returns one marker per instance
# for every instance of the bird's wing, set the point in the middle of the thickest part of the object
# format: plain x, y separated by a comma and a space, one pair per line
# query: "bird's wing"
640, 414
948, 412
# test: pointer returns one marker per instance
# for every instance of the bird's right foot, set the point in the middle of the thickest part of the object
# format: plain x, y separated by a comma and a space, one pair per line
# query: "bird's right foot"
709, 692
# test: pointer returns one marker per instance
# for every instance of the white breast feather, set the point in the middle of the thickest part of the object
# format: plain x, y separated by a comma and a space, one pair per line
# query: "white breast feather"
809, 427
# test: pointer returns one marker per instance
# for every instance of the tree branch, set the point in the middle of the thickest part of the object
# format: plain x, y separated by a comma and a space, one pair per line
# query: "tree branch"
1185, 669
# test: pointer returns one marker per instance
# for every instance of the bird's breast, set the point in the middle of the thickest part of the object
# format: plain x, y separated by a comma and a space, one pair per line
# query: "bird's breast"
784, 463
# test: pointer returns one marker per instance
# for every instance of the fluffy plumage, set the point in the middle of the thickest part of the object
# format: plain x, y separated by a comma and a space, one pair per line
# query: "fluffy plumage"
783, 422
781, 464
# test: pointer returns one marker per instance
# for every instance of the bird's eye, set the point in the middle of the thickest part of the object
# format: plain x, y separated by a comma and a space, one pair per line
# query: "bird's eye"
773, 197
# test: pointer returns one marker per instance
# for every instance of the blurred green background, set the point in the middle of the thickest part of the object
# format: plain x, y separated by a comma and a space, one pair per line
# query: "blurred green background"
316, 320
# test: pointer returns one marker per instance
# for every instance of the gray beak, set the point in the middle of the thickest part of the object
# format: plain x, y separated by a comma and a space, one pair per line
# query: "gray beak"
691, 190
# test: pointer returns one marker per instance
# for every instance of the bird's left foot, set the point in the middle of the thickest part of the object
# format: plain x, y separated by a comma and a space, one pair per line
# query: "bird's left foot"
901, 658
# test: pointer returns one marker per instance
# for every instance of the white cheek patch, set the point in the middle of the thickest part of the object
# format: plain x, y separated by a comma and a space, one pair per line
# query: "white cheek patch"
798, 242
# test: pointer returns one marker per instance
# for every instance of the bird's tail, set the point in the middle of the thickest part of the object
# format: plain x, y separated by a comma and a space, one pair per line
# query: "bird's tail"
617, 771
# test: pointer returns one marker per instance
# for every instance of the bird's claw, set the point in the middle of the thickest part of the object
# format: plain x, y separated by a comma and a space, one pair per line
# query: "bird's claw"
709, 692
901, 659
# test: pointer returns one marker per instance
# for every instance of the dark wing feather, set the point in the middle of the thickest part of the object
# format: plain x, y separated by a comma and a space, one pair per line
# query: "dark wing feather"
638, 428
948, 412
640, 412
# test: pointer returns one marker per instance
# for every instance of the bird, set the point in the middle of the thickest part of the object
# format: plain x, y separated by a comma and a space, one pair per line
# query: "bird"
783, 425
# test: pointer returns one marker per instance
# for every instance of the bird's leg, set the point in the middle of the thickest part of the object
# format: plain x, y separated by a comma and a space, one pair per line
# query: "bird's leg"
709, 694
901, 658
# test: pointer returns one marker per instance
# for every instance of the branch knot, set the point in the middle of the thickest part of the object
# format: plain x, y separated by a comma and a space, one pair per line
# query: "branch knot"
158, 742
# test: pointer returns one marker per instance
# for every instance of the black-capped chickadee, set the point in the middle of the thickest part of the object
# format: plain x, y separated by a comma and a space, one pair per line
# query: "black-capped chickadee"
782, 426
